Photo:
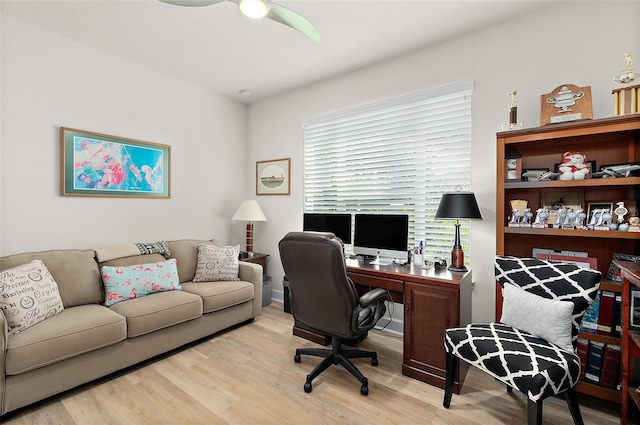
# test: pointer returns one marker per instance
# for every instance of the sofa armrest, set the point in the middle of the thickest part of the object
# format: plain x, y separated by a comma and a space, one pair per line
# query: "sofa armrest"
251, 272
4, 335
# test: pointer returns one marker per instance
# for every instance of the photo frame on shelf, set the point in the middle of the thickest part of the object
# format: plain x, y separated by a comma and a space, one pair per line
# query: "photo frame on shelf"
513, 168
591, 165
614, 271
95, 164
553, 200
273, 177
592, 206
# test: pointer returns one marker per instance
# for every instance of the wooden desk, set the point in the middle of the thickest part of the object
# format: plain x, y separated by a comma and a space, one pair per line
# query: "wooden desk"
433, 300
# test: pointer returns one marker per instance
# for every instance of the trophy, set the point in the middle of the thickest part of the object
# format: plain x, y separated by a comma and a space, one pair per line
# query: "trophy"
526, 218
561, 218
513, 112
518, 210
542, 215
627, 75
624, 98
570, 219
580, 216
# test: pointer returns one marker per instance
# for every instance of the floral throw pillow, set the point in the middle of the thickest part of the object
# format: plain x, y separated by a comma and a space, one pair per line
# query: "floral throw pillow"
126, 283
28, 295
217, 263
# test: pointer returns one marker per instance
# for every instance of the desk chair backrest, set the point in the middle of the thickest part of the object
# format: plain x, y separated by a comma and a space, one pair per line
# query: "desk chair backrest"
322, 298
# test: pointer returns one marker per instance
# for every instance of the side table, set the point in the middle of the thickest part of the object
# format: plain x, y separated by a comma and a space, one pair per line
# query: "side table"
258, 259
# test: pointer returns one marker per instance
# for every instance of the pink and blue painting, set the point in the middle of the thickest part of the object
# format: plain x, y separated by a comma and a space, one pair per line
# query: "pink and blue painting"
102, 165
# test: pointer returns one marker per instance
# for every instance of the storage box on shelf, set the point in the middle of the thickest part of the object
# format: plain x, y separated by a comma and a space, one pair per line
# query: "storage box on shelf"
613, 140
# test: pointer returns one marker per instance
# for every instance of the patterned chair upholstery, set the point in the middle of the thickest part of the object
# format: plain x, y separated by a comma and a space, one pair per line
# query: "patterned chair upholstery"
520, 359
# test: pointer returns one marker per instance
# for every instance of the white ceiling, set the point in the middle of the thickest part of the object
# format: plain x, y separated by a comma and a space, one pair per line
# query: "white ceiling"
218, 48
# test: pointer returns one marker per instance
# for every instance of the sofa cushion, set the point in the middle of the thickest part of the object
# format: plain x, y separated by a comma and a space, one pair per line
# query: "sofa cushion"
186, 252
75, 331
75, 271
123, 283
133, 260
219, 295
217, 263
28, 295
158, 311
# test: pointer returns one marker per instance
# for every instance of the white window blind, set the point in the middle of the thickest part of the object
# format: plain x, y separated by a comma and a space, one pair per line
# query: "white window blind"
396, 156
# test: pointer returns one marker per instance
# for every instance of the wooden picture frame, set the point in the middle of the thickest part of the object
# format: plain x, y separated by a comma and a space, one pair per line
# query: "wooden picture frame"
513, 168
96, 164
553, 200
273, 177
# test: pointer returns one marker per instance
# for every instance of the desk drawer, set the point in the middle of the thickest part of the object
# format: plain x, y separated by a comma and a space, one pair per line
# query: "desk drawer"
377, 282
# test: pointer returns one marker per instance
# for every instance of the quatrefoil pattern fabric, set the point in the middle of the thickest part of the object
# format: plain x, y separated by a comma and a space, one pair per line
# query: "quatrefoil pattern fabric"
524, 361
556, 281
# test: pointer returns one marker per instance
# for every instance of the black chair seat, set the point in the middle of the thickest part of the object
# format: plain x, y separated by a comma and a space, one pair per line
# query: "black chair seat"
523, 361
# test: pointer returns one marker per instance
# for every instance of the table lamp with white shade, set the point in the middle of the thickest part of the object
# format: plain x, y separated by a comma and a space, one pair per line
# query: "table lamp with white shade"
249, 211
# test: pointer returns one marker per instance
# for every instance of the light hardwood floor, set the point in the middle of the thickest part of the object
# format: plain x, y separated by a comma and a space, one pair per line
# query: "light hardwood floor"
247, 376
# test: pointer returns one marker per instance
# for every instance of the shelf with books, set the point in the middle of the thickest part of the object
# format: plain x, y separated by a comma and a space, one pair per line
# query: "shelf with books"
614, 140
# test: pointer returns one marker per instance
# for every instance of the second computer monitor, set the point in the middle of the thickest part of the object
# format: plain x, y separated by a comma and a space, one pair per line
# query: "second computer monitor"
338, 224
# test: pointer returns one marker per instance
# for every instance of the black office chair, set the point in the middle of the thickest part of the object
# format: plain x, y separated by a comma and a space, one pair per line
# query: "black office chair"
324, 300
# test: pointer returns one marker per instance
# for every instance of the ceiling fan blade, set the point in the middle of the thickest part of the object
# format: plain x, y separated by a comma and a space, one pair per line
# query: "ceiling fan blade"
294, 20
192, 3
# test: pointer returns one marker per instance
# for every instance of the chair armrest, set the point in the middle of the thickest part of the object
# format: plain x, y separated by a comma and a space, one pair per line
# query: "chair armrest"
252, 272
372, 297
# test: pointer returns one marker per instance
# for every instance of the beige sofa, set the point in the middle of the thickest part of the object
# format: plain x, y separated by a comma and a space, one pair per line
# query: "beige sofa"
88, 340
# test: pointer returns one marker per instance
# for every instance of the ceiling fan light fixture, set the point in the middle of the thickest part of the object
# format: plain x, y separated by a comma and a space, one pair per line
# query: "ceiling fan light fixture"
254, 8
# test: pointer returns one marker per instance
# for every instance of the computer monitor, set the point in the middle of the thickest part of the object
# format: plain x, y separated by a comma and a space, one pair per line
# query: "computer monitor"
384, 236
338, 224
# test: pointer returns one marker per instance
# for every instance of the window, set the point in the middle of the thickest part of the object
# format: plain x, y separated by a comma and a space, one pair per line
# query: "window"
396, 156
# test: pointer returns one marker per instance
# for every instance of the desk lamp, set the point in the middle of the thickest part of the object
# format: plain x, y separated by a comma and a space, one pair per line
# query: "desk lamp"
249, 211
458, 205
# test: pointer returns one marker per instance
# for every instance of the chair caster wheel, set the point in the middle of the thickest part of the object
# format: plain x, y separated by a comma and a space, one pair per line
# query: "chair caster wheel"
374, 361
364, 390
308, 387
297, 358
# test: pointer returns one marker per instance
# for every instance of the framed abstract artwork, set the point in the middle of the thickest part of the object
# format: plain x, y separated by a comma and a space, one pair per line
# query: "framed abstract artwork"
94, 164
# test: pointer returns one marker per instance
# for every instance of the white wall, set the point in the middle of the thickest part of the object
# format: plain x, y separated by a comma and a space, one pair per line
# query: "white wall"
48, 82
576, 43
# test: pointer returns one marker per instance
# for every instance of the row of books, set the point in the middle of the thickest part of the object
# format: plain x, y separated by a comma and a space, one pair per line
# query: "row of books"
600, 363
604, 315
